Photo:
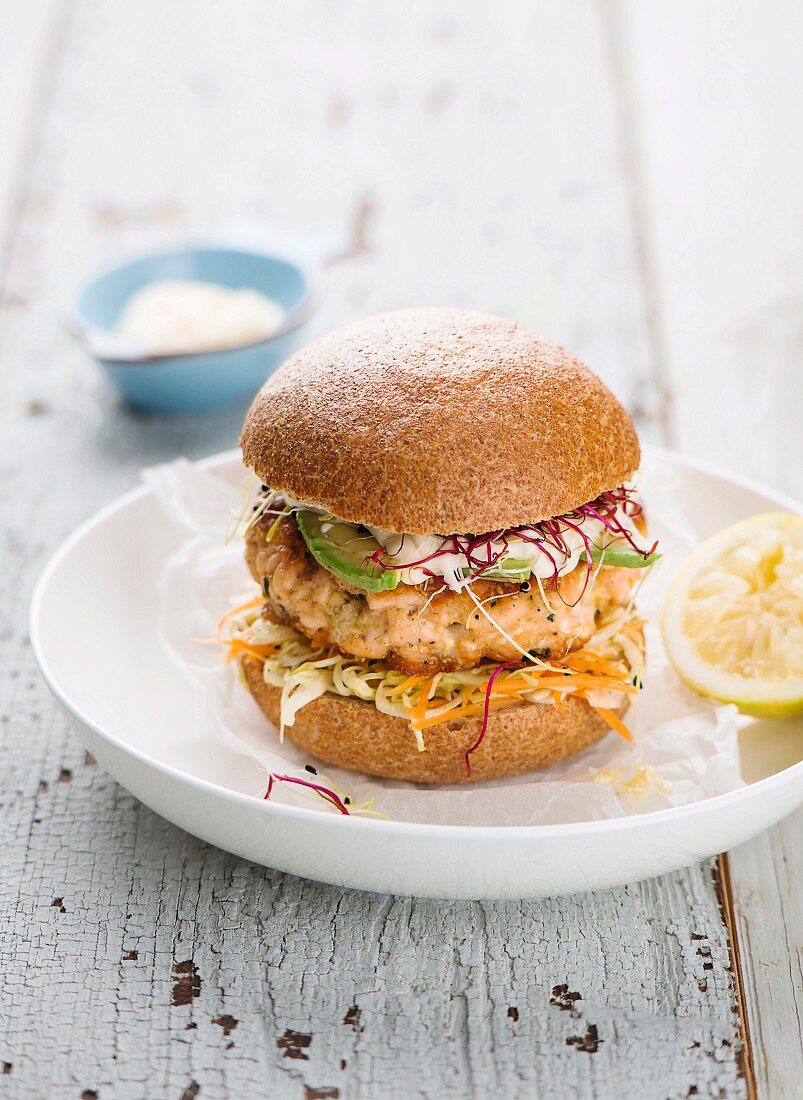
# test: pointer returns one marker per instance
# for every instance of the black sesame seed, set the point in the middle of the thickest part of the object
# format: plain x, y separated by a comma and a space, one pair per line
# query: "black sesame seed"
309, 768
347, 801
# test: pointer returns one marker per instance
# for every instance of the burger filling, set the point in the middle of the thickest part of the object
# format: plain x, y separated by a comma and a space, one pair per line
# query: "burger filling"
437, 628
428, 626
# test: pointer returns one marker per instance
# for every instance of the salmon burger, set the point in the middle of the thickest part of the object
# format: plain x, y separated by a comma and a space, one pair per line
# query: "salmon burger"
448, 542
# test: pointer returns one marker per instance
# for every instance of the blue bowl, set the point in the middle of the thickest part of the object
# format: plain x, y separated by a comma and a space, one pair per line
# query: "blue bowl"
195, 381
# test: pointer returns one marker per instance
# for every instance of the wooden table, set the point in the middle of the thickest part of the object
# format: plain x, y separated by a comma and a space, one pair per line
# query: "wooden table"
625, 177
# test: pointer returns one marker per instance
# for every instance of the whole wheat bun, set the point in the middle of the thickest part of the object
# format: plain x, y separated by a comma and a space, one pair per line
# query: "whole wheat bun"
354, 734
438, 421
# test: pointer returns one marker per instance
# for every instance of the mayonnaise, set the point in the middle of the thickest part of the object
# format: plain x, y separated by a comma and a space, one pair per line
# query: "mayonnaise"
174, 316
403, 550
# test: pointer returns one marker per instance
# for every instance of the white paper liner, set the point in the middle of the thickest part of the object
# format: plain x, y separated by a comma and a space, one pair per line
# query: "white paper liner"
689, 742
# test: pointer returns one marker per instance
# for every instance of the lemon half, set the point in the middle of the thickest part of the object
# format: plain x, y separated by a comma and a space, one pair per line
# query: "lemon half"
733, 616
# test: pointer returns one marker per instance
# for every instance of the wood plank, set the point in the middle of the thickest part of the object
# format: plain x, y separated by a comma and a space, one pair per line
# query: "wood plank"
134, 949
29, 34
485, 150
719, 115
719, 95
766, 877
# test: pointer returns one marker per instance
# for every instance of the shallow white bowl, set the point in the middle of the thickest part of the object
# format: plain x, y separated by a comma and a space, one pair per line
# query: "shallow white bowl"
94, 632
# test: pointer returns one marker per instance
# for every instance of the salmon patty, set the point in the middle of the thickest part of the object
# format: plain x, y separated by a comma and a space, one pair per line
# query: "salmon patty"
415, 631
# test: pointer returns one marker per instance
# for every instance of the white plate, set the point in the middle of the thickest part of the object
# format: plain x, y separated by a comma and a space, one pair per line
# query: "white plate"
94, 619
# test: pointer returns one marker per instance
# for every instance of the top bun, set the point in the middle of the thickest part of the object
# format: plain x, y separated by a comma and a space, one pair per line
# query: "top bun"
438, 421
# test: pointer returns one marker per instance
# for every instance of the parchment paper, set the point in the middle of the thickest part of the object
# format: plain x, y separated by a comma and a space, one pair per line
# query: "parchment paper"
684, 747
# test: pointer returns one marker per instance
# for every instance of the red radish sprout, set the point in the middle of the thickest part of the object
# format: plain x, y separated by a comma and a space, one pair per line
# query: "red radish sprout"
486, 710
548, 535
325, 792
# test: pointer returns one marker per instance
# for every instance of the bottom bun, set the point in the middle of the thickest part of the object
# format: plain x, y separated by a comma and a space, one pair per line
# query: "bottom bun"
354, 734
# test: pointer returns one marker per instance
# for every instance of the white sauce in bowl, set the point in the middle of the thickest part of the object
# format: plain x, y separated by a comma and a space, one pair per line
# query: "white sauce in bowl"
173, 316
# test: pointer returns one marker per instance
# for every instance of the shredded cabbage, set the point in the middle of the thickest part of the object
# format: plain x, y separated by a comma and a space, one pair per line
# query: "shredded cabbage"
305, 673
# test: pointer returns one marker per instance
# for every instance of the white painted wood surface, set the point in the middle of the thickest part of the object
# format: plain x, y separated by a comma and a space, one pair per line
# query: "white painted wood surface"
717, 130
570, 165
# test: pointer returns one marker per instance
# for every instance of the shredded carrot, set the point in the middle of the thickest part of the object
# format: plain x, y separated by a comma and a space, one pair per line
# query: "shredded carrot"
587, 682
523, 687
615, 722
559, 700
405, 685
239, 648
464, 705
581, 681
237, 610
590, 662
533, 681
509, 693
420, 708
464, 712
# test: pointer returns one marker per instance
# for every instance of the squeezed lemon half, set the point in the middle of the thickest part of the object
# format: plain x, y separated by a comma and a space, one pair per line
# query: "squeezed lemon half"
733, 616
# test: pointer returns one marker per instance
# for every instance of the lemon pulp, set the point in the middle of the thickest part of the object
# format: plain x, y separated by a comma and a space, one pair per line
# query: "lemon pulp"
733, 621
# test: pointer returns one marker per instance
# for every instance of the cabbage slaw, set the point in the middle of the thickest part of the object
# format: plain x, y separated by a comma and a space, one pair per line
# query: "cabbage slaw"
606, 672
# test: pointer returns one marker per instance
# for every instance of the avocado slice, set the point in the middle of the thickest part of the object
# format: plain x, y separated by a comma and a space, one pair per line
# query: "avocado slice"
343, 551
622, 557
511, 570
